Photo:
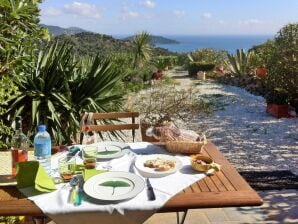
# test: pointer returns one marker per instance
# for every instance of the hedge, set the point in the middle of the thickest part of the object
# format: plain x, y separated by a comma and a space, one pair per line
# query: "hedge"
195, 67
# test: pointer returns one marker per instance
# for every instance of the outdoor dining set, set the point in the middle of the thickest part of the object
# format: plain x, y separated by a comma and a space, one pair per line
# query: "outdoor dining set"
123, 182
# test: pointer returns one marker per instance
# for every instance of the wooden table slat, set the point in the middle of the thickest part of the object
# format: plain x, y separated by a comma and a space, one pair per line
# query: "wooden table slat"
228, 170
203, 186
225, 181
195, 187
218, 183
210, 184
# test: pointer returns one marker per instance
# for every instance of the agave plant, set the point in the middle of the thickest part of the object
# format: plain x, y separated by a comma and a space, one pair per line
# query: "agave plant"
60, 88
240, 62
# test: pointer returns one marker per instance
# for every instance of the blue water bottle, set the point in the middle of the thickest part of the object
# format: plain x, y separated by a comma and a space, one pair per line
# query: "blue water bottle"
42, 148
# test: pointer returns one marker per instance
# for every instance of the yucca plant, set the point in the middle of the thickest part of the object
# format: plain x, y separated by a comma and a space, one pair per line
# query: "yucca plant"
60, 88
239, 63
142, 50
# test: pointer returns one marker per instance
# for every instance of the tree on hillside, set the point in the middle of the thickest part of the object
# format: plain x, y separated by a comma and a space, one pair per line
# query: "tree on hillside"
141, 49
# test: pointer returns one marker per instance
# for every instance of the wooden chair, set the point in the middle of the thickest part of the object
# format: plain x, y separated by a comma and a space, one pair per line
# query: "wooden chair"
103, 122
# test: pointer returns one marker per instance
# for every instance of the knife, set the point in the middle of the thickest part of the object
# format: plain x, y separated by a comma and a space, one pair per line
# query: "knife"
150, 192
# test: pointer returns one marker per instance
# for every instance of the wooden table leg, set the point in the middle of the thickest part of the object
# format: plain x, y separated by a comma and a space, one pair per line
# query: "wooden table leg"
184, 213
39, 219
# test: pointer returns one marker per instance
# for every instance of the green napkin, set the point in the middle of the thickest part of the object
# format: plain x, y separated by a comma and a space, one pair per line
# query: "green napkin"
31, 174
91, 172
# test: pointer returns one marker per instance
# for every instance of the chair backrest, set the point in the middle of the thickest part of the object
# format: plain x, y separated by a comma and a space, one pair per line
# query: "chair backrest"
89, 122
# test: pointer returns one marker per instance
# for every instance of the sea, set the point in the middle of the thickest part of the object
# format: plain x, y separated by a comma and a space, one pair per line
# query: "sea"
229, 43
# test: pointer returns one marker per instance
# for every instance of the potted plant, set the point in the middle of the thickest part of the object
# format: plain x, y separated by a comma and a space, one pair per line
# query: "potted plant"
281, 83
162, 104
277, 103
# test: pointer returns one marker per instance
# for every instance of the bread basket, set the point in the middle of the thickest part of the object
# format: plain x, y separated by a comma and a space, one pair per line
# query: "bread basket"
185, 147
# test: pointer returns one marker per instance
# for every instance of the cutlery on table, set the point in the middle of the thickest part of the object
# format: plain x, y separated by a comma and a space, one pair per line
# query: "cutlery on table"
80, 191
150, 192
73, 191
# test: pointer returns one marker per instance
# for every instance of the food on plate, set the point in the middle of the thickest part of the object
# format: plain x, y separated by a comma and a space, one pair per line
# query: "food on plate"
160, 164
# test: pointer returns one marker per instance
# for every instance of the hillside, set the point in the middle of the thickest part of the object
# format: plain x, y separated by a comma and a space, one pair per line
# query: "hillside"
57, 30
157, 40
92, 44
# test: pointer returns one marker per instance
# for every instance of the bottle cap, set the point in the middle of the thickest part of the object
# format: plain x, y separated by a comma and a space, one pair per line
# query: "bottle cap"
41, 127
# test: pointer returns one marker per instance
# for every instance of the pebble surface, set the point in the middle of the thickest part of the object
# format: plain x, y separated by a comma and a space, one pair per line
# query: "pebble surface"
249, 137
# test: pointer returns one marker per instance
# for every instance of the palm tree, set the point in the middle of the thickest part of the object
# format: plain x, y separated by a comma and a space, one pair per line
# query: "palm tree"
141, 49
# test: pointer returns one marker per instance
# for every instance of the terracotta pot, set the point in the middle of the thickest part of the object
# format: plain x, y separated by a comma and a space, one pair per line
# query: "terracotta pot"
279, 111
262, 72
145, 138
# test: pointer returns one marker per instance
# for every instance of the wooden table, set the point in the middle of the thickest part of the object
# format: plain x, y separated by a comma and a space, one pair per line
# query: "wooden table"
224, 189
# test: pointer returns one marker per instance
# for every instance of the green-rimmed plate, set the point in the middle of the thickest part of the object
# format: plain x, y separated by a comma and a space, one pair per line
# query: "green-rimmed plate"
114, 186
110, 150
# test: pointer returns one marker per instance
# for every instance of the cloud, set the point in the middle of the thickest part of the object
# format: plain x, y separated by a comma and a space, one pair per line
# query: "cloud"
126, 13
83, 9
132, 14
250, 22
148, 4
51, 12
179, 13
207, 15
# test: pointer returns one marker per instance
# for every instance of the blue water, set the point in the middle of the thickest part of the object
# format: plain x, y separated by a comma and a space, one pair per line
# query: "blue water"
218, 42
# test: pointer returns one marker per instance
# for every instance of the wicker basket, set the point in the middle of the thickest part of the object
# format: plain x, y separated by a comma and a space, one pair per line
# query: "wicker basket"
185, 147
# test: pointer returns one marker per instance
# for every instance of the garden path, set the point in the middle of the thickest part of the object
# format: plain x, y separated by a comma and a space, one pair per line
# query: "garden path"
249, 137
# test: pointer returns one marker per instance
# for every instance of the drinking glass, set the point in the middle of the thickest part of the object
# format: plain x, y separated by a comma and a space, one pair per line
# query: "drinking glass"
66, 167
89, 156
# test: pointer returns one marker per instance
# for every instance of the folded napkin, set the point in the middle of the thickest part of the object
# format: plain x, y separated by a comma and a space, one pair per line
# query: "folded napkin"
32, 175
91, 172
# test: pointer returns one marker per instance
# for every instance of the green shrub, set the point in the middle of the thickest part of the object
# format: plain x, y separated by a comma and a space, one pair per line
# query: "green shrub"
19, 33
195, 67
209, 56
183, 60
161, 62
283, 67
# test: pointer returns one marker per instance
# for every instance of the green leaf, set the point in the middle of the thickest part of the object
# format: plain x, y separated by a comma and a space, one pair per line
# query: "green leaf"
114, 184
107, 152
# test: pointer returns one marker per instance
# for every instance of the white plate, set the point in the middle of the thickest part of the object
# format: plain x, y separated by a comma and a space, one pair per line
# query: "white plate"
132, 186
110, 150
151, 172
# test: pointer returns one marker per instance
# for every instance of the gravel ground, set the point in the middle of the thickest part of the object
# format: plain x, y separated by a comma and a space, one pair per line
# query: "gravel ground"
249, 137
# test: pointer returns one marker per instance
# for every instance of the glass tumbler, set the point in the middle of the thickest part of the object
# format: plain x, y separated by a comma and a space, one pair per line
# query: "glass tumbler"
89, 156
66, 167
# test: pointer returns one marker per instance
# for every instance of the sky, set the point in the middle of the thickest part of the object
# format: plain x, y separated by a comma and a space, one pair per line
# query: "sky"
172, 17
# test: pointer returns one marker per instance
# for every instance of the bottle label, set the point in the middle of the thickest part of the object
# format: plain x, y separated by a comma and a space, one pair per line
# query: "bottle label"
42, 149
